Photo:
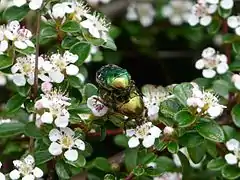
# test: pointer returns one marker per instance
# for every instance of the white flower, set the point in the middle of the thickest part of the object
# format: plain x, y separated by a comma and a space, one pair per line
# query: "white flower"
60, 64
233, 145
142, 11
201, 13
20, 36
153, 96
3, 79
65, 140
55, 106
33, 4
205, 103
26, 169
23, 70
97, 107
178, 11
146, 132
169, 176
236, 80
227, 4
212, 63
96, 25
177, 161
234, 23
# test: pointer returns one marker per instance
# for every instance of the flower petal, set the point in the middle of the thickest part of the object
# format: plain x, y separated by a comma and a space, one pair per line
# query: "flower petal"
231, 159
20, 44
19, 79
206, 20
55, 149
200, 64
233, 22
54, 135
71, 155
222, 68
72, 70
47, 117
28, 177
56, 76
208, 73
148, 141
80, 144
37, 172
61, 121
155, 131
227, 4
133, 142
14, 174
232, 144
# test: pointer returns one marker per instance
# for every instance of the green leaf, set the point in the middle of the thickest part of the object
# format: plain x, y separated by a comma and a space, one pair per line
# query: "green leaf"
92, 40
110, 44
229, 38
130, 159
211, 131
184, 118
80, 162
11, 129
138, 171
216, 164
165, 163
70, 27
47, 34
42, 157
224, 13
90, 90
5, 62
82, 50
23, 90
236, 47
203, 82
145, 157
159, 144
235, 65
211, 148
173, 147
186, 169
29, 50
15, 13
230, 172
170, 107
197, 153
75, 82
32, 130
191, 140
214, 27
229, 132
183, 92
61, 170
68, 42
221, 87
121, 140
102, 164
236, 115
14, 103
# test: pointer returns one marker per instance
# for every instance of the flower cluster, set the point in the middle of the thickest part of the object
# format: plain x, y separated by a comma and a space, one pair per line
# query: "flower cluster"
97, 107
233, 158
146, 132
212, 63
52, 69
25, 169
204, 103
234, 22
144, 12
64, 140
53, 107
96, 24
20, 37
177, 11
203, 10
152, 98
33, 4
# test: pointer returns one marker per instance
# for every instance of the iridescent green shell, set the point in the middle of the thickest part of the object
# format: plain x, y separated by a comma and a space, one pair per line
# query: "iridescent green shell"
113, 77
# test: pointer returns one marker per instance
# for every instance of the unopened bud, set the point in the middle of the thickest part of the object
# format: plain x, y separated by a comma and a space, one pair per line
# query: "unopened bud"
168, 130
46, 87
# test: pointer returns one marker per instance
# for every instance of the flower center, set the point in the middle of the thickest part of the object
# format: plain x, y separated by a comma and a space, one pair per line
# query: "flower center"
25, 169
67, 142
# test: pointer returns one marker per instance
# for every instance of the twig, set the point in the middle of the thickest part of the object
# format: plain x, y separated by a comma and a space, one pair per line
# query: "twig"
35, 85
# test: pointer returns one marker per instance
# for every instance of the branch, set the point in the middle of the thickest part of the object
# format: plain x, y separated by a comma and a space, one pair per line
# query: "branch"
35, 85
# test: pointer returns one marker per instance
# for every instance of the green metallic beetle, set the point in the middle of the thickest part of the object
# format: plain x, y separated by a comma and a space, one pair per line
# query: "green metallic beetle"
119, 92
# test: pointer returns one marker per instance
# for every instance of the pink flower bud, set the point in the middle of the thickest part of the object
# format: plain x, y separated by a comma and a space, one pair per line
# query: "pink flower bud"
168, 130
38, 105
46, 87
